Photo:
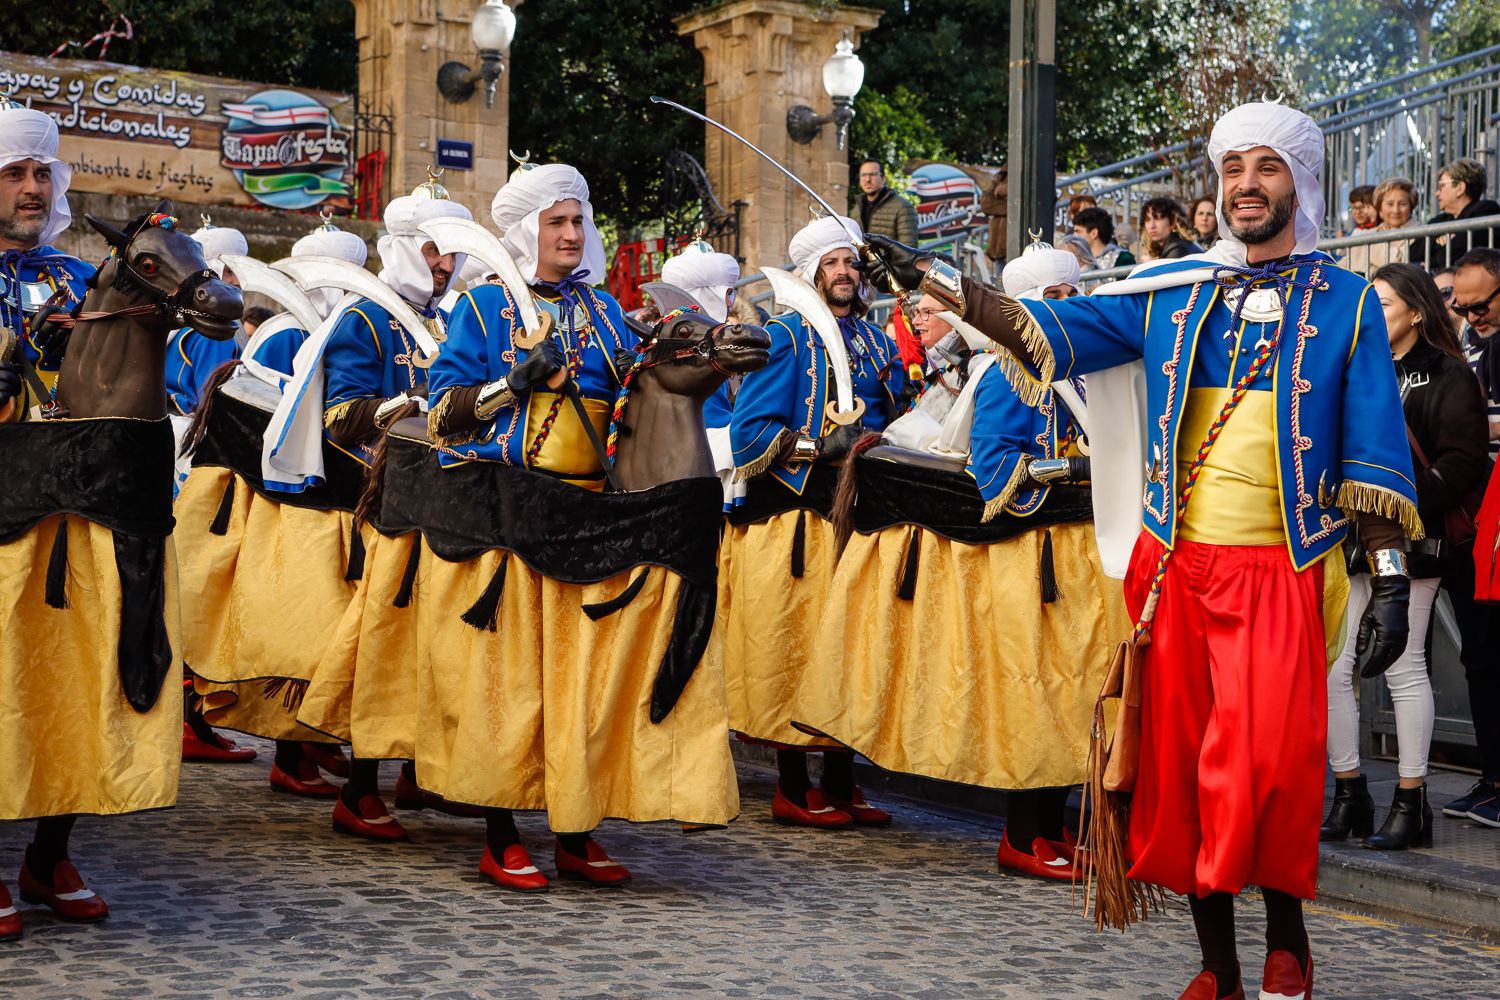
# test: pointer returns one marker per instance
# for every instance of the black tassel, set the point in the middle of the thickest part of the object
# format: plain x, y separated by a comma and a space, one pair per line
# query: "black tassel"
799, 545
907, 589
609, 607
356, 567
409, 578
1049, 574
57, 569
220, 525
483, 614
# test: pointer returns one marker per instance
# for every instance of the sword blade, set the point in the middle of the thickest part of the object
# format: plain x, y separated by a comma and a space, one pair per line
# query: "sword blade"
858, 238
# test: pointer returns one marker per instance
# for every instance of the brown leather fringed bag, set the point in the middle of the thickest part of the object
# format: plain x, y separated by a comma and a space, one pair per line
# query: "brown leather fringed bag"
1110, 896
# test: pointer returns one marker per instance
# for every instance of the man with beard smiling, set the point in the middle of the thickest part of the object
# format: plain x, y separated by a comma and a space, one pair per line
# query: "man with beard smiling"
779, 551
1273, 407
33, 211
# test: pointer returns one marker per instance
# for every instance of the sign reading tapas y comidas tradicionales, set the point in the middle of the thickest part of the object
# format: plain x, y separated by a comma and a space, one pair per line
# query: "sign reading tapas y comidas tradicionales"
205, 139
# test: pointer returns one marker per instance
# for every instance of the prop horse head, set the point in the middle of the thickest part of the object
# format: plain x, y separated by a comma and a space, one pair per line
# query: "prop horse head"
657, 433
154, 280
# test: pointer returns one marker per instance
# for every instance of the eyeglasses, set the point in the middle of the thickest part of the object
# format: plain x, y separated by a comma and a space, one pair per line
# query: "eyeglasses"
925, 313
1476, 308
870, 174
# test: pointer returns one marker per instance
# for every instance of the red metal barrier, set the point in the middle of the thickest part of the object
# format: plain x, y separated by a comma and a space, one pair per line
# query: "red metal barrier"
637, 263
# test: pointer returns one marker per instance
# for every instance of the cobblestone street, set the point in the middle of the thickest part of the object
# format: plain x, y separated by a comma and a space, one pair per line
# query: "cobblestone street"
241, 893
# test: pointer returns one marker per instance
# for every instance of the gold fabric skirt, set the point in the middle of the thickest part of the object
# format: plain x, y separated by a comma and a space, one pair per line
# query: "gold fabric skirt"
550, 711
771, 620
974, 680
260, 602
69, 741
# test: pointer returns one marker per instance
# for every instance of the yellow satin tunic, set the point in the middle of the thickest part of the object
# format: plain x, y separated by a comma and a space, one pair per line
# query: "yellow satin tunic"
567, 451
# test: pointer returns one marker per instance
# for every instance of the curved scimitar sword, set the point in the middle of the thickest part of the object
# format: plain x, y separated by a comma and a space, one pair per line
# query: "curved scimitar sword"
794, 292
668, 297
263, 279
452, 235
316, 271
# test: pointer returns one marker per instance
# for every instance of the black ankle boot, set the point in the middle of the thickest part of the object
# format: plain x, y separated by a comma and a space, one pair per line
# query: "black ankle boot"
1353, 810
1409, 823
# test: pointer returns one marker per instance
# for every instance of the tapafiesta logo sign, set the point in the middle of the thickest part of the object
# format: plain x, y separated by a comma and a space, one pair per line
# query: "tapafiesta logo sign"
285, 149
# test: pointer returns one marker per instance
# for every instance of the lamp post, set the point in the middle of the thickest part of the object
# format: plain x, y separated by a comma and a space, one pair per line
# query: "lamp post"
843, 75
492, 29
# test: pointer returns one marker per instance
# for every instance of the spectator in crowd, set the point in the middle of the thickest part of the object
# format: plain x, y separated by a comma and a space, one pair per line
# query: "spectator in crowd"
1079, 247
1445, 419
1443, 278
881, 210
1394, 200
1096, 226
1164, 230
993, 203
1460, 195
1078, 203
1476, 297
1205, 218
1362, 208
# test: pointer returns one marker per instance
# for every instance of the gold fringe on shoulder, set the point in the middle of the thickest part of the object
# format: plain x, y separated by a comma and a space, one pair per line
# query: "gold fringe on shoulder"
438, 414
743, 473
993, 508
1368, 499
1031, 388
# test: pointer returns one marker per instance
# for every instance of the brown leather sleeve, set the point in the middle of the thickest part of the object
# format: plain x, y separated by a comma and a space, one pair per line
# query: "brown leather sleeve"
355, 424
457, 414
984, 311
1377, 532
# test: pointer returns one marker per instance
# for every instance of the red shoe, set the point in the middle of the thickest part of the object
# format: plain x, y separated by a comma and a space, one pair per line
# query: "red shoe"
220, 751
862, 812
817, 813
1043, 862
67, 896
10, 920
307, 781
516, 873
1068, 846
410, 795
596, 868
1205, 986
371, 822
1283, 978
329, 758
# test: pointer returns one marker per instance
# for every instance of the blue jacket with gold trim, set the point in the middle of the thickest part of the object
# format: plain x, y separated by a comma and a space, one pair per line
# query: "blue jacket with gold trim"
28, 278
1006, 431
1340, 443
369, 355
479, 349
791, 392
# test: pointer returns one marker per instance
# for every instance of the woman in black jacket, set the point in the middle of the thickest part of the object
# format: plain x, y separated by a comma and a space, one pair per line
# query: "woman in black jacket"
1446, 422
1165, 233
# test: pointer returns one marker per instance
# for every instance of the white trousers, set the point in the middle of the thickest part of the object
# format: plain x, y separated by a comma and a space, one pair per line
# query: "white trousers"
1411, 689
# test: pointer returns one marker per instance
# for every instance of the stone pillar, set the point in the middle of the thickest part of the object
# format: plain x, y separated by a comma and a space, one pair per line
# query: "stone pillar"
760, 59
401, 45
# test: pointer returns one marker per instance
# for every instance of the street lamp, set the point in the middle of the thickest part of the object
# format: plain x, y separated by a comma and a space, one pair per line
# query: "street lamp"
493, 28
843, 75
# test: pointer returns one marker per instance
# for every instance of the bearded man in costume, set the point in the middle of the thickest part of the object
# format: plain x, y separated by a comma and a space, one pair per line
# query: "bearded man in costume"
777, 559
1273, 407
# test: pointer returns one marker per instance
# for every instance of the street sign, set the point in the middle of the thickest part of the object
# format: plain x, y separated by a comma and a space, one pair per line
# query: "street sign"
455, 155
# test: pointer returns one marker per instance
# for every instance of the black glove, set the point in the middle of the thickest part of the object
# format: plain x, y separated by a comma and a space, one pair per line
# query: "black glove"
50, 337
885, 259
1384, 628
10, 383
836, 443
544, 361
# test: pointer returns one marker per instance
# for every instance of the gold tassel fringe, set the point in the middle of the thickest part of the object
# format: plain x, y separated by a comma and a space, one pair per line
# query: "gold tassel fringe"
1031, 388
438, 414
335, 413
743, 473
993, 507
1368, 499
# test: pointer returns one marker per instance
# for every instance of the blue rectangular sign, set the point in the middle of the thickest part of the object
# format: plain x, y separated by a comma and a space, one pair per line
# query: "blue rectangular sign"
455, 155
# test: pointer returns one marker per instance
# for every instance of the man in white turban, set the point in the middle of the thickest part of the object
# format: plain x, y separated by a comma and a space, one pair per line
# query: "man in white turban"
1269, 389
1042, 272
789, 428
33, 211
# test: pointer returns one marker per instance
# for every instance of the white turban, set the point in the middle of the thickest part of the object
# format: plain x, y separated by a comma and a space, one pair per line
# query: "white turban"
330, 242
405, 269
820, 237
32, 135
1038, 269
518, 206
217, 241
706, 275
1295, 138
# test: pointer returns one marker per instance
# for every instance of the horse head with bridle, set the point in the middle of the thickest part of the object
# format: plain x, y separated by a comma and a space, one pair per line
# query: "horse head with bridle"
154, 281
656, 434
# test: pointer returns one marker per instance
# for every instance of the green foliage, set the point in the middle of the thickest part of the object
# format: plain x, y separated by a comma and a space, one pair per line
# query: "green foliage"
309, 43
893, 128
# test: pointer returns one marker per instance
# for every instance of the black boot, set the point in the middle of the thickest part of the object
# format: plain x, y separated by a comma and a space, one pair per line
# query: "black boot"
1409, 823
1353, 810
